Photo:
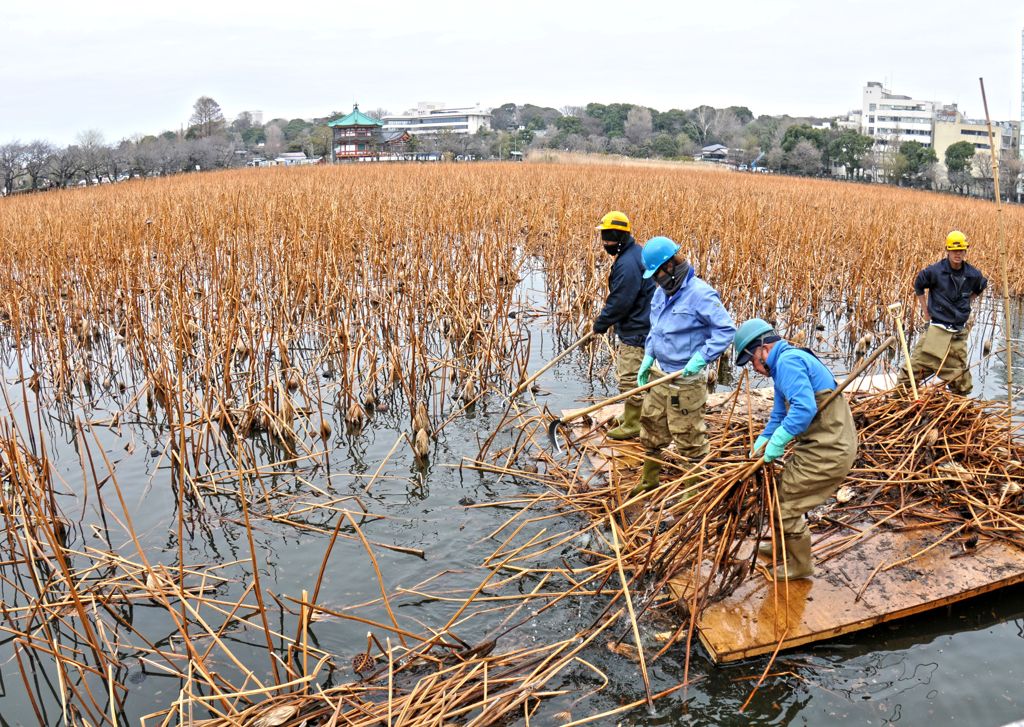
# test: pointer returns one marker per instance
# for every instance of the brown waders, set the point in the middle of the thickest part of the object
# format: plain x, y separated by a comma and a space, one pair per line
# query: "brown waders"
674, 412
815, 467
627, 363
943, 352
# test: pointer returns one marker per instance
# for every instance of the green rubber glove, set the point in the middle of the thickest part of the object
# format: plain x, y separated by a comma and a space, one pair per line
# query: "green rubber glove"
758, 444
645, 371
695, 365
777, 444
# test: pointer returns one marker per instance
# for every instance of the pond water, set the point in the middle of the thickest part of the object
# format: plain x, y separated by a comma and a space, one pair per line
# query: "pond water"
957, 665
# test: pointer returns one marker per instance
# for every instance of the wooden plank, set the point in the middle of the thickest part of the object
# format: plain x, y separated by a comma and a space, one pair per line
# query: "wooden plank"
757, 616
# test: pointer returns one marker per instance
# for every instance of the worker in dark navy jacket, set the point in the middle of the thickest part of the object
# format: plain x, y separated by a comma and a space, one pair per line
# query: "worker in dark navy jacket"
952, 285
628, 309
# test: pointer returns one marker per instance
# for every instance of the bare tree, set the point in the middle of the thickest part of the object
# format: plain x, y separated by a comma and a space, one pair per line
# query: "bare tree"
701, 118
618, 145
575, 142
724, 127
158, 157
274, 144
37, 155
378, 113
1010, 169
869, 164
805, 158
575, 111
65, 164
145, 158
200, 154
317, 142
639, 126
91, 149
207, 116
117, 160
774, 158
12, 161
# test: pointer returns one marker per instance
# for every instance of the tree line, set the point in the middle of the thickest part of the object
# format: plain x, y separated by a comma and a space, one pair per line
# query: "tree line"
209, 142
794, 145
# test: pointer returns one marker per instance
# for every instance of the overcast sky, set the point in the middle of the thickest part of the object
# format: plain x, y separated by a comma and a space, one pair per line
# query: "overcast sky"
128, 68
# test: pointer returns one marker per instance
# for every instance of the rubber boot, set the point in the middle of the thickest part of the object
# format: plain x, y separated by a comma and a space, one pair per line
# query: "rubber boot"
689, 480
629, 427
649, 479
799, 563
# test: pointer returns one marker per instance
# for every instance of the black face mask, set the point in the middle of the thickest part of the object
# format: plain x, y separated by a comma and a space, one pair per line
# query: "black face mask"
614, 247
672, 279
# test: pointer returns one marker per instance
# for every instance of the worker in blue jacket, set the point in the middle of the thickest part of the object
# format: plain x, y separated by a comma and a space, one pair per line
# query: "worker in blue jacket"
826, 441
628, 309
690, 329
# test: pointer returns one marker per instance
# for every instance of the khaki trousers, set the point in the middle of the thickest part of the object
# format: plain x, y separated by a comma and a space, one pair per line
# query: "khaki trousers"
817, 464
943, 352
627, 364
674, 412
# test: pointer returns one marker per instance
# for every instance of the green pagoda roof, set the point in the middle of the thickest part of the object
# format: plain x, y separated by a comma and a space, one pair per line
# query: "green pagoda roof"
356, 118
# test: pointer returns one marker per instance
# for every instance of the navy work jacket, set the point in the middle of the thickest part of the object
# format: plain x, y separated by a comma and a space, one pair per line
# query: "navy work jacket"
628, 306
950, 291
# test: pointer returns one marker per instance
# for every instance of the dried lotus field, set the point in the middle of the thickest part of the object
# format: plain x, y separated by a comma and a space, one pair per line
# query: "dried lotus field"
260, 463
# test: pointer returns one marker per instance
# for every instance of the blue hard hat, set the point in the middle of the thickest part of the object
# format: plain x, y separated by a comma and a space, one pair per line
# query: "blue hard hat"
750, 332
657, 251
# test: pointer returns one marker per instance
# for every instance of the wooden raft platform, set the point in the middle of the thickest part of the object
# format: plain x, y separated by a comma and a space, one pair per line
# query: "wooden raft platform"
757, 618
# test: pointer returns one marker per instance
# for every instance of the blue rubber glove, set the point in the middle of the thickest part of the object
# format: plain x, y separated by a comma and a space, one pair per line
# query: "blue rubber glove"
695, 365
645, 371
777, 444
758, 444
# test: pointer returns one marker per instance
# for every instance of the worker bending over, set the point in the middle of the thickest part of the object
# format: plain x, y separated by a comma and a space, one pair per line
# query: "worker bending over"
628, 308
953, 285
826, 441
690, 328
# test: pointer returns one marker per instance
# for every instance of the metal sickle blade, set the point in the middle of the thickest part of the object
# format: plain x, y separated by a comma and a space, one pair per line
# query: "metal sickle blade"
552, 430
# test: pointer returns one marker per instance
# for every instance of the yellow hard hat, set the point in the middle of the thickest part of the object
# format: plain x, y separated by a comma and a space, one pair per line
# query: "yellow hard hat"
956, 240
614, 221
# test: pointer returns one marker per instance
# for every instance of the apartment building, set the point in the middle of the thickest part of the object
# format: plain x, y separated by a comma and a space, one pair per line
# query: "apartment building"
891, 119
1005, 136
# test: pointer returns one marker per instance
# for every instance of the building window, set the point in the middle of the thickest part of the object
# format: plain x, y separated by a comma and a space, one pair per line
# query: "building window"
872, 107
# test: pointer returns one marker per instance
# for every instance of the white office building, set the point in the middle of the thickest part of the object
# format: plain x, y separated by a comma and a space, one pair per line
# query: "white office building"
432, 118
891, 119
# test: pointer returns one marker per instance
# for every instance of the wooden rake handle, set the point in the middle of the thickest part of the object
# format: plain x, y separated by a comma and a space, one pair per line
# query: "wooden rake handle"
556, 423
522, 387
619, 397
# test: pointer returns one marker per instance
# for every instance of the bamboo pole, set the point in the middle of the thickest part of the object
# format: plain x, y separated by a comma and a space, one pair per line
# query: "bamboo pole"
1004, 254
